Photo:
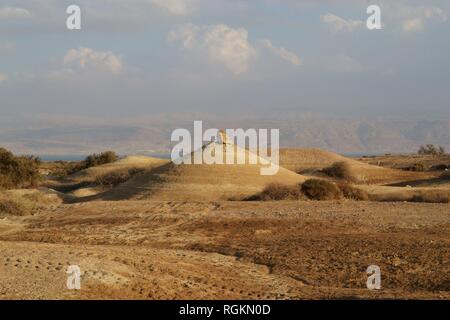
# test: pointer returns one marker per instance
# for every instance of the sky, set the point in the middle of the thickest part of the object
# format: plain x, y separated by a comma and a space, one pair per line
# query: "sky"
143, 57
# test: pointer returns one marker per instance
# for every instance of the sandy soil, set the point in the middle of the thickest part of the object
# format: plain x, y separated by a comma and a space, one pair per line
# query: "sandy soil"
227, 250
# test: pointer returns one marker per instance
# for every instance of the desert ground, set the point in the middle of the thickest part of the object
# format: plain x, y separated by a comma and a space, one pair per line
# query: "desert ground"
186, 232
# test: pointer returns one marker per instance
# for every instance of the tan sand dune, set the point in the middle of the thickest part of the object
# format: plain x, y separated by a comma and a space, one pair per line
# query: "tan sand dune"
202, 182
299, 160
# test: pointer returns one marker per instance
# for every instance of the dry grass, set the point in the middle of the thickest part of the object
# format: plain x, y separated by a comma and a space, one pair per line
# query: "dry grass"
416, 167
277, 191
431, 197
115, 178
13, 208
445, 175
353, 193
316, 189
26, 202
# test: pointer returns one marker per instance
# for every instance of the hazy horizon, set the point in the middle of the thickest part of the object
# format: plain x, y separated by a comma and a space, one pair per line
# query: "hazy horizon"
167, 63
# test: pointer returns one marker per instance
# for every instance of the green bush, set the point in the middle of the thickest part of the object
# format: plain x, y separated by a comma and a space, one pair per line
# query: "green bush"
18, 171
317, 189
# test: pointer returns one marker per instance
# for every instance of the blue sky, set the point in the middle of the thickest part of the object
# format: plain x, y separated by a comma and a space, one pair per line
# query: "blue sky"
141, 57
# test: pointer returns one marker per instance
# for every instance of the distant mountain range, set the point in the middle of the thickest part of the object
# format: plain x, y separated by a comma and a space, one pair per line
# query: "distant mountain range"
61, 136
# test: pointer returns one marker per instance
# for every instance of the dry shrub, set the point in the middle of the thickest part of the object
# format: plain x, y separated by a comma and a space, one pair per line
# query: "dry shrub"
276, 191
445, 175
11, 207
340, 170
416, 167
439, 167
115, 178
62, 169
353, 193
317, 189
431, 197
94, 160
18, 171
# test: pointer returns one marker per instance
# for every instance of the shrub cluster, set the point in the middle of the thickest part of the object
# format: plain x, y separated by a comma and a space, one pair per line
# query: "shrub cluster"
114, 178
317, 189
431, 197
445, 175
416, 167
94, 160
18, 171
431, 149
277, 191
340, 170
353, 193
63, 168
314, 189
13, 208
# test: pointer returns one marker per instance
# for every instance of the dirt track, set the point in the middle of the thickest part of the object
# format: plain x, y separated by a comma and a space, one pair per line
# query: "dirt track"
228, 250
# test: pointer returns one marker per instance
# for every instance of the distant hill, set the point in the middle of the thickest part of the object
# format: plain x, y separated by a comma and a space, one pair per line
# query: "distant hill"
152, 135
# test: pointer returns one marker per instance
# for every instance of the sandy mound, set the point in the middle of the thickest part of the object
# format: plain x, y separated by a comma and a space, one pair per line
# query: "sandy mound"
300, 160
202, 182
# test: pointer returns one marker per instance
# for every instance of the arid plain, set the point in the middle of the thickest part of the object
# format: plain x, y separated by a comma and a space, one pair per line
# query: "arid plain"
199, 232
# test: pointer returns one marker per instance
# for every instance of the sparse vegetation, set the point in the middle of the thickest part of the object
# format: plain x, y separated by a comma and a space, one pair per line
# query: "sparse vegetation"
431, 149
431, 197
18, 171
276, 191
63, 169
445, 175
439, 167
340, 170
416, 167
11, 207
353, 193
94, 160
317, 189
114, 178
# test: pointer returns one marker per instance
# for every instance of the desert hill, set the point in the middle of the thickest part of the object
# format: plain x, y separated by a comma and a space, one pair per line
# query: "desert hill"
307, 160
202, 182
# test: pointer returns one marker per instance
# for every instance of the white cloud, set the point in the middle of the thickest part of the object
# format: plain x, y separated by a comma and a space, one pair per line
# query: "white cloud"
282, 52
414, 18
176, 7
338, 24
88, 59
222, 44
14, 13
227, 46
